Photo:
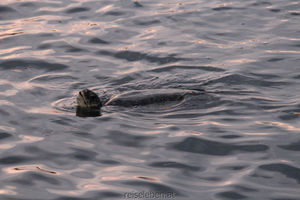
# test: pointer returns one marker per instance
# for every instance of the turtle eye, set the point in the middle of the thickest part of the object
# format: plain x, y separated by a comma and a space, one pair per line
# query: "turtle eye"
80, 93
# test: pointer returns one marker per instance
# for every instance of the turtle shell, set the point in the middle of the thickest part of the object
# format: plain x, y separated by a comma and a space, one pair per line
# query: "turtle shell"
146, 97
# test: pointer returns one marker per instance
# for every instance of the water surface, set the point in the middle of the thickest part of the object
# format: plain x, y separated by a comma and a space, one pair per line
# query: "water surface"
239, 140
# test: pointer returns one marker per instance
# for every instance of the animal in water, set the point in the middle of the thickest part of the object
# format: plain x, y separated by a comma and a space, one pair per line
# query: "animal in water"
88, 99
89, 104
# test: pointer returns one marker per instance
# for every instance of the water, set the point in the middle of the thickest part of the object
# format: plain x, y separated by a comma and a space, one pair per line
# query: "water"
239, 140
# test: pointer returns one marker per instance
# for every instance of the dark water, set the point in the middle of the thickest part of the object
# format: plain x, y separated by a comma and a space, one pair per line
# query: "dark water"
240, 140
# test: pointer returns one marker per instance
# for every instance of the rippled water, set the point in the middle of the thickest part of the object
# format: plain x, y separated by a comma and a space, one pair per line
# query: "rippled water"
238, 140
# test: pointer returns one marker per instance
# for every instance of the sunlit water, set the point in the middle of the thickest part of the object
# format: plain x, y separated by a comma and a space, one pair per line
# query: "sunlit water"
239, 140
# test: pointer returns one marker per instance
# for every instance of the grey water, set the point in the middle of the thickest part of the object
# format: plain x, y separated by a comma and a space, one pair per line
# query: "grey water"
238, 140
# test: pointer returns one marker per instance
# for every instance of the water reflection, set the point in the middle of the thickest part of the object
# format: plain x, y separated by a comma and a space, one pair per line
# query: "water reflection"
22, 169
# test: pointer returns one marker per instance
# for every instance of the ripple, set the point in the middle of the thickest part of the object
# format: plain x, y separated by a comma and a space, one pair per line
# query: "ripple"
14, 160
28, 4
115, 13
238, 79
284, 169
223, 8
208, 147
231, 195
31, 177
96, 195
83, 154
125, 139
9, 34
275, 59
72, 49
36, 64
146, 22
97, 41
53, 77
294, 146
182, 67
174, 165
26, 168
263, 3
4, 9
77, 10
4, 135
65, 106
138, 4
155, 187
137, 56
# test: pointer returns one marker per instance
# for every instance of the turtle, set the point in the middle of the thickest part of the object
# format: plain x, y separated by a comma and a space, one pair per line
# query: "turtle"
89, 103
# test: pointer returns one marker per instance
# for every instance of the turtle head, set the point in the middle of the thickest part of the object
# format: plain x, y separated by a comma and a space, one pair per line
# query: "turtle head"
88, 104
88, 100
